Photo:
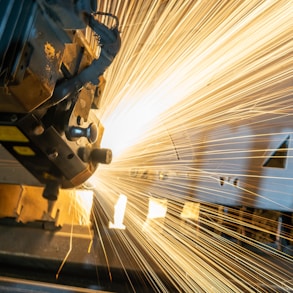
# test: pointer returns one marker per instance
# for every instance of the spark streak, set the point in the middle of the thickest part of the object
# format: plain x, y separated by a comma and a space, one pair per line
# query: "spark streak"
199, 95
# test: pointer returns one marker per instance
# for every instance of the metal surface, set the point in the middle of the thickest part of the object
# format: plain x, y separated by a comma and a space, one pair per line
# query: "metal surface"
62, 247
30, 57
24, 286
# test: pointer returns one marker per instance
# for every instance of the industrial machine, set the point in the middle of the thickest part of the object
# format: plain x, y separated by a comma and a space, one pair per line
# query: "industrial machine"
53, 57
50, 79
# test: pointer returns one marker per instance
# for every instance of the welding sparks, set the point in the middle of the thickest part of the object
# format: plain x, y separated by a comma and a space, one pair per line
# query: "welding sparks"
198, 95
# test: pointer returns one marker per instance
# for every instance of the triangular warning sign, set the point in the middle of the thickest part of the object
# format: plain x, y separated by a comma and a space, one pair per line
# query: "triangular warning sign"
279, 157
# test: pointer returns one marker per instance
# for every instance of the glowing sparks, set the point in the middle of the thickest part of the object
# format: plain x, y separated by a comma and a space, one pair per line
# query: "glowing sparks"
198, 98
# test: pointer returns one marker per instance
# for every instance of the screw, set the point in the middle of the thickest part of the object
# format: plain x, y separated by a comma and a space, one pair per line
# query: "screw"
38, 130
13, 118
53, 154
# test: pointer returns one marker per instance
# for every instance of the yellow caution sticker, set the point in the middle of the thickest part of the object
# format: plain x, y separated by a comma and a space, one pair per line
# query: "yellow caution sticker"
24, 150
12, 133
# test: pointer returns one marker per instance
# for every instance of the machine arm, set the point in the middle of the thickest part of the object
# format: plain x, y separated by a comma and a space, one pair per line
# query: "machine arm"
110, 44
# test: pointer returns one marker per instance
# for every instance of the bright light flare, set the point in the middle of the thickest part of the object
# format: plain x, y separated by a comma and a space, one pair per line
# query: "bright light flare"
83, 201
189, 64
119, 211
157, 208
196, 86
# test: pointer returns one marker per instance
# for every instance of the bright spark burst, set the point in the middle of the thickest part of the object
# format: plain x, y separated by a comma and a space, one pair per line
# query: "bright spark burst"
199, 94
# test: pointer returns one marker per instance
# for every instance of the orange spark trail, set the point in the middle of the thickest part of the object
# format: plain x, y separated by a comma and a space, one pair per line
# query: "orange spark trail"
197, 99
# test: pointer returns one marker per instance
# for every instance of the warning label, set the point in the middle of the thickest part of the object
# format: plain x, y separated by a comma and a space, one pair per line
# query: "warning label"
12, 133
24, 150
